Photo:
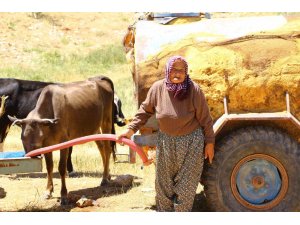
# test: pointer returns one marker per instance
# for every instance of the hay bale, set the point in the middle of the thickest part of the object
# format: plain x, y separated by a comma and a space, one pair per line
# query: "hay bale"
254, 71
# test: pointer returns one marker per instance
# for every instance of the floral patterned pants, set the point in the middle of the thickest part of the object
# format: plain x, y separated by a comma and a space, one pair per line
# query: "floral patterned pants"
179, 164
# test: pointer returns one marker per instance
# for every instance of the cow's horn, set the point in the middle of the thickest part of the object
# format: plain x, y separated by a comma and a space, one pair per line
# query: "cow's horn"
50, 120
2, 107
14, 120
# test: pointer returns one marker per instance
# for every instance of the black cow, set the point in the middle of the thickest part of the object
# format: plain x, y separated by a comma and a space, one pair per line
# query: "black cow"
22, 96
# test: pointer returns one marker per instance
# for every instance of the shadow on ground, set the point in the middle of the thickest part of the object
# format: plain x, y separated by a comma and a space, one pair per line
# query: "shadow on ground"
55, 175
102, 191
2, 192
93, 193
200, 203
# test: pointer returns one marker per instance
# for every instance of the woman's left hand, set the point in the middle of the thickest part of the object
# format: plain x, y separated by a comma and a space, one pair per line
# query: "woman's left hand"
209, 152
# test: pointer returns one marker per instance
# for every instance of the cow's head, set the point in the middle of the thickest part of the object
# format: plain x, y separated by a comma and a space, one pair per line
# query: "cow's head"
34, 131
119, 117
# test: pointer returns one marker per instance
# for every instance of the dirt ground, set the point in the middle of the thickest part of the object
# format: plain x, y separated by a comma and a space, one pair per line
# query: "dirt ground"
24, 193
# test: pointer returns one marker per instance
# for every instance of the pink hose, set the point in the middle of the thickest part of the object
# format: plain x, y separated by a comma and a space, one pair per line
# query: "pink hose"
95, 137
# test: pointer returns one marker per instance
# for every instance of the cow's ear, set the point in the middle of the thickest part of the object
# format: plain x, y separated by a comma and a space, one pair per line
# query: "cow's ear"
15, 121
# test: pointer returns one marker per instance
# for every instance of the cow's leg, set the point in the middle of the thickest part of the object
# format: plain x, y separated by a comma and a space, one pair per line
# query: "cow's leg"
49, 166
106, 176
70, 168
69, 162
1, 147
106, 151
62, 168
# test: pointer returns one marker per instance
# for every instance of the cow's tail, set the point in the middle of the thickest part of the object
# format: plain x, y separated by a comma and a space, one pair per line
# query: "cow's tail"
113, 130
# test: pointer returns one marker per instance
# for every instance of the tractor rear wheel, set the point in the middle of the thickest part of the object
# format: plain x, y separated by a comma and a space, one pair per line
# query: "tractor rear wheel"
254, 169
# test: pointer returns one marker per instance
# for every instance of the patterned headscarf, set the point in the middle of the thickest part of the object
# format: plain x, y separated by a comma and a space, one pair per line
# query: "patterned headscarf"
180, 90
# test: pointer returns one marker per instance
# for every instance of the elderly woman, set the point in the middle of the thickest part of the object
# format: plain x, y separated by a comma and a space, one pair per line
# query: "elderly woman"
186, 129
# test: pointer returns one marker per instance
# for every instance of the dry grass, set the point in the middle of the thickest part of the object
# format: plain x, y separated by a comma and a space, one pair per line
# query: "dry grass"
23, 37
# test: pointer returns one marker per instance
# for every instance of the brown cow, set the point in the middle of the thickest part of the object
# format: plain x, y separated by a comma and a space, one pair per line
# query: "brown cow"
67, 111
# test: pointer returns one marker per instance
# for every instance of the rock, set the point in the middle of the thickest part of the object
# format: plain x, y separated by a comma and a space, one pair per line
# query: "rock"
123, 180
2, 193
85, 202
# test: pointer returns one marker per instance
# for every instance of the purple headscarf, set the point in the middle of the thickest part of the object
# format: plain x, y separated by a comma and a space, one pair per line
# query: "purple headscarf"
180, 90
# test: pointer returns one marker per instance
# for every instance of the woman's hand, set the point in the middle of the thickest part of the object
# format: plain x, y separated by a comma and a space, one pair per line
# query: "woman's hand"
209, 152
127, 134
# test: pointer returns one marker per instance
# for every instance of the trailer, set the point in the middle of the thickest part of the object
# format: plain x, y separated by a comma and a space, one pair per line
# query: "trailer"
248, 68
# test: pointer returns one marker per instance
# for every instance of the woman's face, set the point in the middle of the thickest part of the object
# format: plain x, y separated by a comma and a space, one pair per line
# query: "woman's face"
177, 73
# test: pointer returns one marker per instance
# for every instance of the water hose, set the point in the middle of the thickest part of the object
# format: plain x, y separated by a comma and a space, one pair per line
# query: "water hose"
95, 137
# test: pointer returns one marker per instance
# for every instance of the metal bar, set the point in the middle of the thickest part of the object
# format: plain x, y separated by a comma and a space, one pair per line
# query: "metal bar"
259, 116
254, 116
219, 123
287, 97
225, 105
132, 156
295, 121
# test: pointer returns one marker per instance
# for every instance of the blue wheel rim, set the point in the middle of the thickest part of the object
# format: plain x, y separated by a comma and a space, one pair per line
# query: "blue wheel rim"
259, 182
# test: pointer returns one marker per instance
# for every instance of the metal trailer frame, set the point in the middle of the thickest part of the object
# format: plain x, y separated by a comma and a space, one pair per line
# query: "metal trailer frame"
285, 115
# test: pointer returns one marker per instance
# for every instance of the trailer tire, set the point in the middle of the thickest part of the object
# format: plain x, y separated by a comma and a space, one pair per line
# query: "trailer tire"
254, 160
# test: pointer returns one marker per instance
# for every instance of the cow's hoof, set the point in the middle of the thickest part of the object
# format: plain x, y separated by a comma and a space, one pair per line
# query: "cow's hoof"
73, 174
104, 182
64, 201
47, 195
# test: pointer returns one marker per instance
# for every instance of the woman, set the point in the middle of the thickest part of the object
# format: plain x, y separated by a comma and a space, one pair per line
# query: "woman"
186, 127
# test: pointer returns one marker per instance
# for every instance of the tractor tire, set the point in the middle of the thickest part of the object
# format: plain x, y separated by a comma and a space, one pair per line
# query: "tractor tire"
254, 169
